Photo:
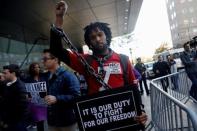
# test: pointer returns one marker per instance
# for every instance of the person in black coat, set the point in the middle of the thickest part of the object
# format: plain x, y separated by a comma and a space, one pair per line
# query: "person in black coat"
14, 101
161, 68
2, 84
189, 59
141, 68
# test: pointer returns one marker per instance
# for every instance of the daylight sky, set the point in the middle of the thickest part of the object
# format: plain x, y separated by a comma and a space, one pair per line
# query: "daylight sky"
152, 28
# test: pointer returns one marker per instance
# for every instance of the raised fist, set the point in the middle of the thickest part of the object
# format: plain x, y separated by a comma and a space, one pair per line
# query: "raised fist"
61, 8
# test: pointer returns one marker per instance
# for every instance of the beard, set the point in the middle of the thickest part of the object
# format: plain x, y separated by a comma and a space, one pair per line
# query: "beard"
100, 48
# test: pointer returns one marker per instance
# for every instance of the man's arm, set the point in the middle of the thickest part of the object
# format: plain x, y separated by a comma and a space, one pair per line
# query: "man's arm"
154, 68
137, 68
143, 117
55, 40
57, 49
73, 85
168, 68
71, 90
185, 61
137, 74
144, 67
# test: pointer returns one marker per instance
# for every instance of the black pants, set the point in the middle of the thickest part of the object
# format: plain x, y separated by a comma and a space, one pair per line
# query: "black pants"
145, 85
40, 126
165, 84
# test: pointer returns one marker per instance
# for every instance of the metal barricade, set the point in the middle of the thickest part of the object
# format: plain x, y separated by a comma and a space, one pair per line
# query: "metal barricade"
177, 85
168, 113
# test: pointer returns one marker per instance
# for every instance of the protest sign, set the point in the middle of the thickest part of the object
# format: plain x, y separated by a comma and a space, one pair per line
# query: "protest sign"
37, 91
108, 110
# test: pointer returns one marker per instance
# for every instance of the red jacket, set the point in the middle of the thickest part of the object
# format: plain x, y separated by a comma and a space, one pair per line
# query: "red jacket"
114, 77
112, 67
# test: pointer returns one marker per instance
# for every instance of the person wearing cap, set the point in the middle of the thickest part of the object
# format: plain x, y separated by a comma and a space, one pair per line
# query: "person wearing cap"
14, 101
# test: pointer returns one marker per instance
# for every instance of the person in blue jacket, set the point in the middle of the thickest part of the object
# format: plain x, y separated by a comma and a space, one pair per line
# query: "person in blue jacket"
63, 87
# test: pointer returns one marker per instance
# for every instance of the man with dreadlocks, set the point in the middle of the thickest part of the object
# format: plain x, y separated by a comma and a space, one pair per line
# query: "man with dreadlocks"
104, 60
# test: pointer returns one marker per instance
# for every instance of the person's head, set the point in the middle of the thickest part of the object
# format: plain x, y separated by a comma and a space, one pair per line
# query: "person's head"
170, 57
2, 77
50, 61
10, 72
98, 36
186, 46
160, 58
34, 69
139, 60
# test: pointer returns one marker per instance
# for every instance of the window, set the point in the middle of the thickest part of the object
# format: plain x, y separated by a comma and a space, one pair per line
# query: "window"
172, 16
182, 1
166, 1
176, 25
191, 9
170, 7
184, 11
175, 36
172, 3
186, 22
172, 27
192, 20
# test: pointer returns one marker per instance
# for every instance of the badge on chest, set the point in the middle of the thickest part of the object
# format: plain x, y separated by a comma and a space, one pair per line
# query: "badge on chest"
112, 68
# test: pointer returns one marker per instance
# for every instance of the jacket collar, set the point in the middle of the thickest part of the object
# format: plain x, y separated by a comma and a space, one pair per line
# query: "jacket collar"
10, 83
57, 72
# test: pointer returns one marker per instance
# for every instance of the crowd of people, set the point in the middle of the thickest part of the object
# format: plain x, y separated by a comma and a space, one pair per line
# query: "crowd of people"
49, 96
189, 60
29, 102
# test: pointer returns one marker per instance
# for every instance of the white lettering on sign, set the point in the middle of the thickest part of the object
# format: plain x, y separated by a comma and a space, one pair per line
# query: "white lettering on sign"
36, 87
37, 92
107, 113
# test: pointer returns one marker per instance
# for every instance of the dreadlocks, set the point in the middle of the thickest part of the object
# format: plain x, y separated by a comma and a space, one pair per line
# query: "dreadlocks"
102, 26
